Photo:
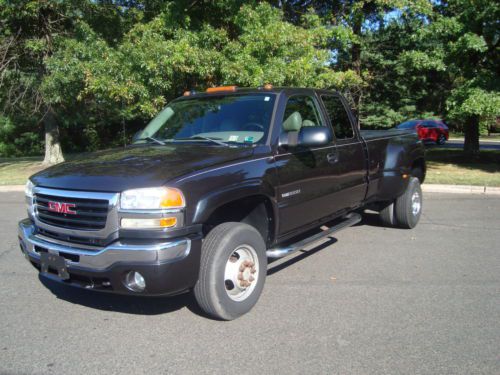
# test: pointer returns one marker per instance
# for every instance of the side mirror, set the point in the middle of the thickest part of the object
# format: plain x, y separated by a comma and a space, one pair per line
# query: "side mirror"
314, 136
307, 136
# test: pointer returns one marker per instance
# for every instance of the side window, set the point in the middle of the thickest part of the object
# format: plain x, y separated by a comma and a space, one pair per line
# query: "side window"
301, 111
338, 117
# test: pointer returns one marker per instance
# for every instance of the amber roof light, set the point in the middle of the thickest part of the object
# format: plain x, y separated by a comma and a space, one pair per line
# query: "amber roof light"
221, 89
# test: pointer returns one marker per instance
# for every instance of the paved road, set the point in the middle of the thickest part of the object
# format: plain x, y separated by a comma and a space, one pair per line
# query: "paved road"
483, 145
377, 301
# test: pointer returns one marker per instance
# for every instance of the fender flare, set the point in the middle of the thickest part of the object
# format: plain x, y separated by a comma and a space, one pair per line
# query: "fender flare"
213, 200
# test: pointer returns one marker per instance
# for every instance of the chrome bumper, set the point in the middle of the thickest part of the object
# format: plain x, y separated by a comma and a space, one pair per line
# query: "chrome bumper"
103, 258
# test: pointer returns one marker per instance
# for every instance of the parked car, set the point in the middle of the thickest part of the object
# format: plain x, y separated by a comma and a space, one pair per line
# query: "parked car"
216, 185
428, 130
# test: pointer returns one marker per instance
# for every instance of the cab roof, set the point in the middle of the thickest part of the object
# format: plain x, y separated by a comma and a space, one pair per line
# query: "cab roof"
250, 90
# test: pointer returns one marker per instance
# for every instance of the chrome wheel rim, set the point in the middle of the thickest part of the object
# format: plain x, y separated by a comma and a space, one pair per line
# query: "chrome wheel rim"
416, 203
241, 273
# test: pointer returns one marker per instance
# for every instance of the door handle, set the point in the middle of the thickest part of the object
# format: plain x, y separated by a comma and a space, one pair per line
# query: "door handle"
332, 157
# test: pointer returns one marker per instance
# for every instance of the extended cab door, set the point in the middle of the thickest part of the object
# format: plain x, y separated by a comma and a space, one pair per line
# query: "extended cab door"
311, 179
352, 159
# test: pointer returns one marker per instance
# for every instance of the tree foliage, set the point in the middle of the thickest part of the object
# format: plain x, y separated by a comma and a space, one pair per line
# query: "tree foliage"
94, 72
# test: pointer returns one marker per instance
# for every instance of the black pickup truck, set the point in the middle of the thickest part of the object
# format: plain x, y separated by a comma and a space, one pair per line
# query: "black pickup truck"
214, 187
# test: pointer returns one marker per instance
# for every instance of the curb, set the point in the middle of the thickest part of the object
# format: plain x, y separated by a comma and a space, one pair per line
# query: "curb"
460, 189
428, 188
480, 140
8, 188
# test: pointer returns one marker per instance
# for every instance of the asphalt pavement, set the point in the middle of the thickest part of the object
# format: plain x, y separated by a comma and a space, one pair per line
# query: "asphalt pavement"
371, 300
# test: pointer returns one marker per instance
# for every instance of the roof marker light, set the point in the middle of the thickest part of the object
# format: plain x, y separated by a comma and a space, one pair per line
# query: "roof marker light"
221, 89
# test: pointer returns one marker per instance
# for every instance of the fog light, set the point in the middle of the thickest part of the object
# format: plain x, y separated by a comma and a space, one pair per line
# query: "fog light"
165, 222
135, 281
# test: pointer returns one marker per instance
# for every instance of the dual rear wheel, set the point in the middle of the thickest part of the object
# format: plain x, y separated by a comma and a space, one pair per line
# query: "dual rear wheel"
405, 211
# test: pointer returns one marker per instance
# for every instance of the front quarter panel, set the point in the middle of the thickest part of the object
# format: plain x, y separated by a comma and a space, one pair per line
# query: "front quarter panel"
211, 188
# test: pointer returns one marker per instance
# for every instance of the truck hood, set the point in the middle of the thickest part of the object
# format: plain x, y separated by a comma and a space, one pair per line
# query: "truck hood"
135, 166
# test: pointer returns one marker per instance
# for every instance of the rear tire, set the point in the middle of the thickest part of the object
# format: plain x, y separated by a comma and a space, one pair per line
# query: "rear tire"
408, 207
441, 140
387, 216
233, 270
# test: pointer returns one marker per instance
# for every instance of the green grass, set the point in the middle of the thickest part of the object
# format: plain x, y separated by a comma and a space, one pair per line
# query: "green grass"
451, 166
444, 166
15, 171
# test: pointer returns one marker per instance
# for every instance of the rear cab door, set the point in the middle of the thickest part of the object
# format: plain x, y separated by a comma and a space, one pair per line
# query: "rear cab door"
352, 162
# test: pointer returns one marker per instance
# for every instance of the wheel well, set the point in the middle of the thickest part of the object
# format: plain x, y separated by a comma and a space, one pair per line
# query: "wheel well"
419, 169
255, 210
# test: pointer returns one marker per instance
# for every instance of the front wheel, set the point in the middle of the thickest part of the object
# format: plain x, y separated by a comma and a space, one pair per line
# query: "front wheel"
232, 270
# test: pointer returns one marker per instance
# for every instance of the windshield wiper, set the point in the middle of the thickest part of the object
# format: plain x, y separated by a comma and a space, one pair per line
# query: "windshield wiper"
214, 140
153, 140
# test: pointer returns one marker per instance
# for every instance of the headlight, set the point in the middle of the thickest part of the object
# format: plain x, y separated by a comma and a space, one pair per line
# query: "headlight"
28, 192
28, 189
152, 199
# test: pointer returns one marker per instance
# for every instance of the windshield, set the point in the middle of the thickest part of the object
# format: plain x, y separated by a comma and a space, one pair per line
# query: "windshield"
233, 118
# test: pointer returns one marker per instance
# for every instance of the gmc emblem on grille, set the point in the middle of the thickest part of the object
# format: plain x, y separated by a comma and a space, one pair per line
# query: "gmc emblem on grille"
62, 208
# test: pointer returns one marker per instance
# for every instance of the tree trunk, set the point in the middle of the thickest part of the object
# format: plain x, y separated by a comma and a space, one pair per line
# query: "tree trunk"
53, 151
471, 142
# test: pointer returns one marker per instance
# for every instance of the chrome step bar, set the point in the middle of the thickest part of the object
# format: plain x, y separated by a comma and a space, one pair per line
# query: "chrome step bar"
277, 253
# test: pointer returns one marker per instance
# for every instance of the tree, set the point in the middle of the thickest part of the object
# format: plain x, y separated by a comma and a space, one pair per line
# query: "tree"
157, 60
29, 36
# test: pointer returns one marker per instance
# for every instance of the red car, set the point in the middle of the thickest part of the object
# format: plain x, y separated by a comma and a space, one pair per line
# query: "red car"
428, 130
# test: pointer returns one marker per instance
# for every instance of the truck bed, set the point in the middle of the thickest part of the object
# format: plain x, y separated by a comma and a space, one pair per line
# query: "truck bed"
376, 134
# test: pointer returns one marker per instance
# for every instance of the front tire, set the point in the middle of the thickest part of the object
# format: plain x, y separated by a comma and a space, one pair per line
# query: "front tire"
441, 140
233, 271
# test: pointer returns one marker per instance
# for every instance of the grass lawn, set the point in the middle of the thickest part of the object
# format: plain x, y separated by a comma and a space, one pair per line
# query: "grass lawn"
15, 171
444, 166
450, 166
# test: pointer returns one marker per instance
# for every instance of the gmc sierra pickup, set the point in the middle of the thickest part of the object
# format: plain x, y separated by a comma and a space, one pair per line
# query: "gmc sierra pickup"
216, 185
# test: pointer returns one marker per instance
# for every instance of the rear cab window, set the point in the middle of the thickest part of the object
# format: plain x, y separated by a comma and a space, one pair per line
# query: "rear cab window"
339, 117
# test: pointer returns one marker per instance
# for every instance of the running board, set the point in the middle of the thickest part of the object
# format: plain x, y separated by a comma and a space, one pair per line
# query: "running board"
276, 253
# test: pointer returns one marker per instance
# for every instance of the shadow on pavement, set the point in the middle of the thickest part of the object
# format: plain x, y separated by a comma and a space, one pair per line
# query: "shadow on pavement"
161, 305
297, 258
122, 303
370, 218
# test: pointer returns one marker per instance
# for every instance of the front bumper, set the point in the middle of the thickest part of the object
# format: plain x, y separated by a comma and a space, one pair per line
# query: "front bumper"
168, 267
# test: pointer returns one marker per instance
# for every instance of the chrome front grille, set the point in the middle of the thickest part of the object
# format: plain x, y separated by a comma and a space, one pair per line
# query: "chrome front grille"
88, 214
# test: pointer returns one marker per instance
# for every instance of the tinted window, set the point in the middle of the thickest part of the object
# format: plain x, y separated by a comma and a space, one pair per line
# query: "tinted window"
338, 117
306, 107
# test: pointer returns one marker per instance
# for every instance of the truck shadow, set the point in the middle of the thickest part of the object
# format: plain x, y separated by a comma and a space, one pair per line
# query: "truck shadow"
370, 218
135, 305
